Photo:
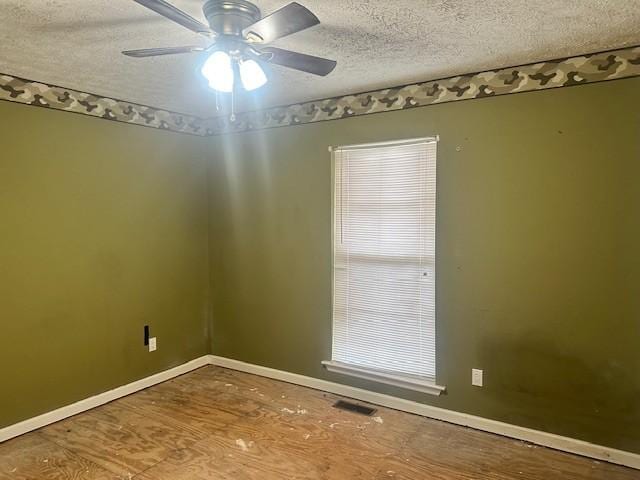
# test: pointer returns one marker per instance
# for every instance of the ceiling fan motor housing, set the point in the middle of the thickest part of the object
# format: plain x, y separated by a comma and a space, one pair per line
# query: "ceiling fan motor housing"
230, 17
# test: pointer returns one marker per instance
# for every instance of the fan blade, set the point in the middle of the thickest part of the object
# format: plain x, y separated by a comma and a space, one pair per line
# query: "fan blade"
172, 13
298, 61
155, 52
289, 19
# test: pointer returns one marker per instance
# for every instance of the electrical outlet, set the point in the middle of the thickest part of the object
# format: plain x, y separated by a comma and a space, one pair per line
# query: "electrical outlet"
476, 377
153, 344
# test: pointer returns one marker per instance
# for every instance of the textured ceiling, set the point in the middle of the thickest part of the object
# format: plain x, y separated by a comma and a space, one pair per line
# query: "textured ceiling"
377, 43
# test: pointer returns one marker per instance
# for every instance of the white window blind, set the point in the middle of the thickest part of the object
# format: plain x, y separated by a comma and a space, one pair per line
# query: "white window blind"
384, 257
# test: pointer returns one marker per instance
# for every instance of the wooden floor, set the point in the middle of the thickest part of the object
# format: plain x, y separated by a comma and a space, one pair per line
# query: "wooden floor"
220, 424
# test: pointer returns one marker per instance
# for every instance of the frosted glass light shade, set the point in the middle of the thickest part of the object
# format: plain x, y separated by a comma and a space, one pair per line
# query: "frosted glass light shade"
219, 72
252, 75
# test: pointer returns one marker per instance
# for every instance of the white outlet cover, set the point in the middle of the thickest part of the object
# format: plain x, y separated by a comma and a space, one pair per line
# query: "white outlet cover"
476, 377
153, 344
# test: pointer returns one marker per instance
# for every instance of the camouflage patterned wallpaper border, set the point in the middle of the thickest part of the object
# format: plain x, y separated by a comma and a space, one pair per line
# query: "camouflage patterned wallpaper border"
596, 67
15, 89
579, 70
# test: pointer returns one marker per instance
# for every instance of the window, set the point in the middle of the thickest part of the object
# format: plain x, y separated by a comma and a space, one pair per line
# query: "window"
384, 263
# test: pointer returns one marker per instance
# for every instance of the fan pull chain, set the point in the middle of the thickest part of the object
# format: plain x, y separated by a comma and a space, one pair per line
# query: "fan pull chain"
232, 117
233, 103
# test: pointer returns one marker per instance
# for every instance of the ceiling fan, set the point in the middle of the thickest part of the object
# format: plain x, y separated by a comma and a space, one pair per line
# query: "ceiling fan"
239, 32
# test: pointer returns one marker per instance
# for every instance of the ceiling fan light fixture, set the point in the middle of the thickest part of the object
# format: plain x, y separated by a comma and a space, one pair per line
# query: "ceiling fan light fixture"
235, 27
218, 71
252, 75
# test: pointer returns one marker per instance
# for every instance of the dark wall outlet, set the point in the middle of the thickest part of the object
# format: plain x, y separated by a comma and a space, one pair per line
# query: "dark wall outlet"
146, 334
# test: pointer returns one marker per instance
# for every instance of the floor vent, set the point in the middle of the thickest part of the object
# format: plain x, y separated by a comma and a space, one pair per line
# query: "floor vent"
355, 408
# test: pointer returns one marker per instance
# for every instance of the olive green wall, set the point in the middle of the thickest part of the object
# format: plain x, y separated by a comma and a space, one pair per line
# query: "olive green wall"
538, 264
103, 228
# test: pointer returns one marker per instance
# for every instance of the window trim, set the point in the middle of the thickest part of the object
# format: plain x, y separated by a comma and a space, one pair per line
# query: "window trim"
430, 139
409, 382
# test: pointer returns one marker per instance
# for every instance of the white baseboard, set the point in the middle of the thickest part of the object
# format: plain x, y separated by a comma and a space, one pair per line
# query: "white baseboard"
545, 439
88, 403
537, 437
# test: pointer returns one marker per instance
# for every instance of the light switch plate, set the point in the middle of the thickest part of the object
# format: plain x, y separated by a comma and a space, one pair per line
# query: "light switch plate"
476, 377
153, 345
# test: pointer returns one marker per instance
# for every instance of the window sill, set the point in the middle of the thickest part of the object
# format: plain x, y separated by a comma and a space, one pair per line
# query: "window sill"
397, 380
